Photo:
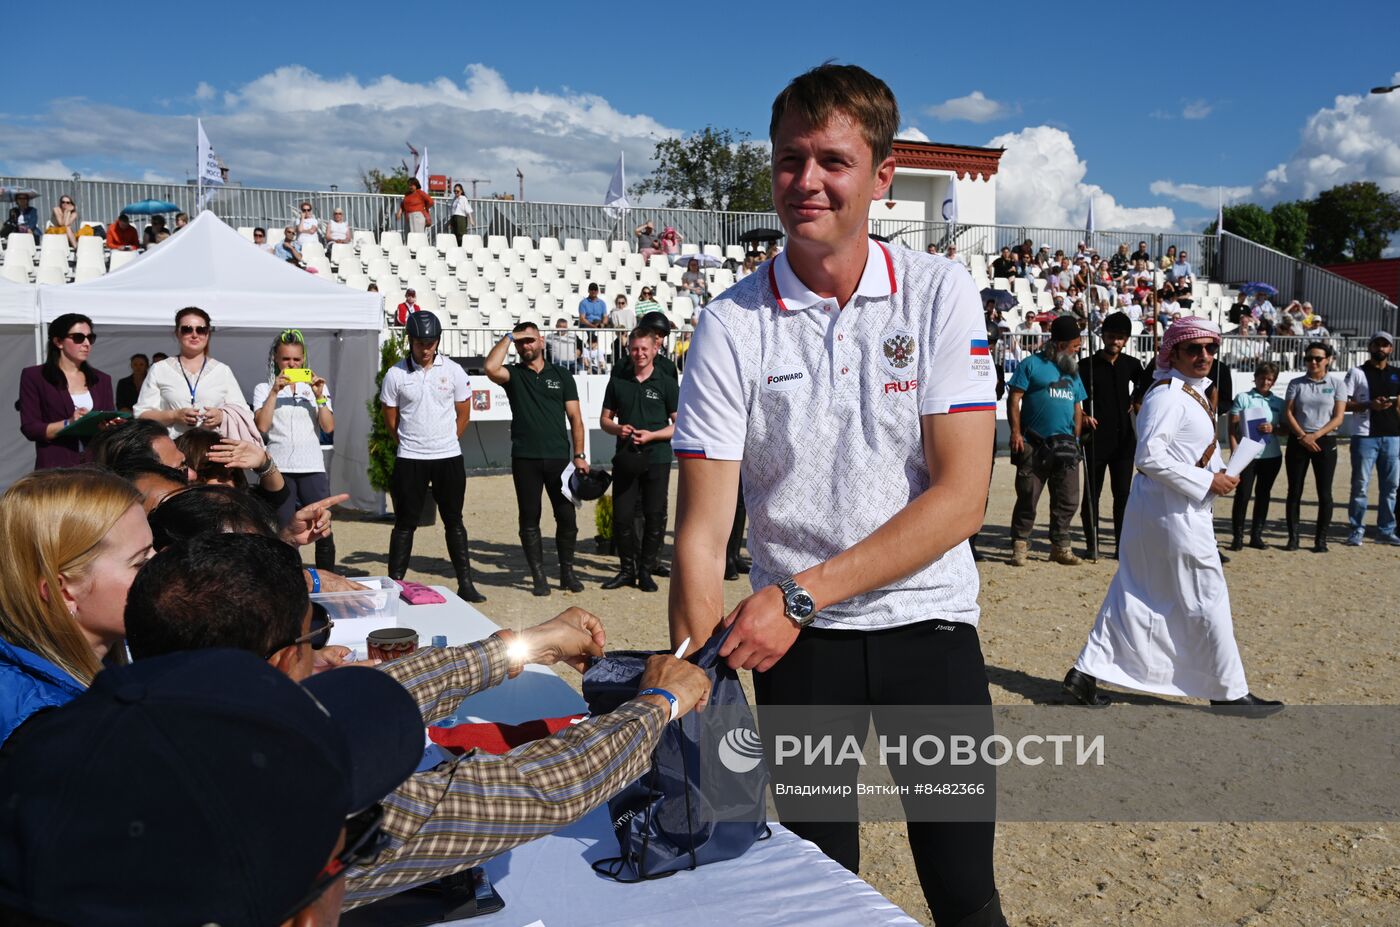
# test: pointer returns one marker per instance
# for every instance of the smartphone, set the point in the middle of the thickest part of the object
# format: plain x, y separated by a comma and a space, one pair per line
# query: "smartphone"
298, 374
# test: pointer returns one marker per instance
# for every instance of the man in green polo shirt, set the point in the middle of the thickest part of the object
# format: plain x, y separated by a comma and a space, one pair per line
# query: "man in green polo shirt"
640, 411
542, 395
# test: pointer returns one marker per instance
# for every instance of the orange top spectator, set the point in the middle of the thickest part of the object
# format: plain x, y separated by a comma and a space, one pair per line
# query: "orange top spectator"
122, 235
418, 201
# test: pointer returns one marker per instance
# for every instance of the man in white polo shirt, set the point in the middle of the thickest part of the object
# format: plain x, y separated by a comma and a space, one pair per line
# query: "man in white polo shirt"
427, 405
852, 386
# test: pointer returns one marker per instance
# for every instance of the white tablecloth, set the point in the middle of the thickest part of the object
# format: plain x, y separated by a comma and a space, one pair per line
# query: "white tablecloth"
549, 882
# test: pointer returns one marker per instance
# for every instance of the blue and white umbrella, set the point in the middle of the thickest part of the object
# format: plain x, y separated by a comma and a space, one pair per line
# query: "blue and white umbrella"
1249, 289
150, 208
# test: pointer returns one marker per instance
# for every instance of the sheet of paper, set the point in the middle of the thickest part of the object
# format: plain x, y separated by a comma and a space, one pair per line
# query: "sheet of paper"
1245, 453
1251, 420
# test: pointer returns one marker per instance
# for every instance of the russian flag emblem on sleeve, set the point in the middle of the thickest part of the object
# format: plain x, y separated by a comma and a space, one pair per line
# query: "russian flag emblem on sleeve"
980, 347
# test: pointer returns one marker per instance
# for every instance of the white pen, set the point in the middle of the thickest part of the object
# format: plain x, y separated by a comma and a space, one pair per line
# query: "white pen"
680, 651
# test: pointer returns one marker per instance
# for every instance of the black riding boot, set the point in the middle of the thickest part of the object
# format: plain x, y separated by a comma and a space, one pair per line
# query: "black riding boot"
651, 546
534, 557
400, 549
626, 542
989, 915
462, 564
325, 554
564, 543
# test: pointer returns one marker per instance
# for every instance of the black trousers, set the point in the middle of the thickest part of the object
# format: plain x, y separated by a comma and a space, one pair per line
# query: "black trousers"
530, 476
927, 663
1296, 460
1257, 478
445, 477
1064, 497
1118, 466
636, 482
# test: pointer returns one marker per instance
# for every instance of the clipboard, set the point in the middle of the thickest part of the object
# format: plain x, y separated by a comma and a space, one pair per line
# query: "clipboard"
89, 424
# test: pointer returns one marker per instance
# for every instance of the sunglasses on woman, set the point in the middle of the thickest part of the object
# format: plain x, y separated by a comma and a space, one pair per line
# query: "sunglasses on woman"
194, 329
81, 337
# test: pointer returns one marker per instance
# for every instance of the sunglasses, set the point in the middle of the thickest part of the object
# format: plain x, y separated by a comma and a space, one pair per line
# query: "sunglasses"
1198, 350
1316, 358
194, 329
364, 840
319, 635
65, 202
81, 337
306, 209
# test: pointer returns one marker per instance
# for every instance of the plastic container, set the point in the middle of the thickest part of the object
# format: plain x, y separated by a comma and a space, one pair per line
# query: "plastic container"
359, 612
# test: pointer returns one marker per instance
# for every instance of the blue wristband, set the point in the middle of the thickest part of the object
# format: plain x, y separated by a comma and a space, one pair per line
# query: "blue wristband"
315, 579
675, 702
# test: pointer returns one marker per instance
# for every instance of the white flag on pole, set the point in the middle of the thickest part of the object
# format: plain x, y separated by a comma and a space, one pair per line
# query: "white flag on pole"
1219, 212
950, 202
615, 200
420, 164
207, 169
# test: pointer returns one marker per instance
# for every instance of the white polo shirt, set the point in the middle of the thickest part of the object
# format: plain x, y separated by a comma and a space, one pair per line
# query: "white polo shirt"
822, 405
426, 398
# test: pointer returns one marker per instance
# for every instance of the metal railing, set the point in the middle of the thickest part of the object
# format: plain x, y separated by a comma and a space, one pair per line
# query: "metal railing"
1348, 306
1241, 353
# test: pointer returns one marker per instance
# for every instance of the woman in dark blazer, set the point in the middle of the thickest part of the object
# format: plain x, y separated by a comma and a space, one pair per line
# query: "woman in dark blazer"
61, 390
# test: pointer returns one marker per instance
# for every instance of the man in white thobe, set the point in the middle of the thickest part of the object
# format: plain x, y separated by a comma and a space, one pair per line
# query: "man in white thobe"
1165, 624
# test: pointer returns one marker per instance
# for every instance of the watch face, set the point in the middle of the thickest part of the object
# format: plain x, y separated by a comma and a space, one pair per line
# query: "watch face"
800, 605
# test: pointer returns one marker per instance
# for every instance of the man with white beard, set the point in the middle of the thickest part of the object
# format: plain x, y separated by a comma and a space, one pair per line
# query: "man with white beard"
1045, 413
1165, 624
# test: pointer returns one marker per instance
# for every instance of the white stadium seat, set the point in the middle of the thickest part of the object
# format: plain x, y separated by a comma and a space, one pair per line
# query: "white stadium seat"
120, 259
549, 246
388, 240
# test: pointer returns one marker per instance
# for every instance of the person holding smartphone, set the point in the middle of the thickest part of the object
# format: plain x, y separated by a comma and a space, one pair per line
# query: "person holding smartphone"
292, 410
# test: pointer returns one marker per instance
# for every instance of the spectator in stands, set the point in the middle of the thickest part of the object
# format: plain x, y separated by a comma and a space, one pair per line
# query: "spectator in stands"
1048, 421
338, 231
1314, 327
621, 316
1315, 406
1026, 250
139, 783
771, 251
122, 235
461, 219
931, 248
372, 288
1259, 476
260, 241
128, 388
182, 219
646, 239
1181, 273
565, 349
292, 417
1168, 259
693, 283
417, 206
751, 261
74, 538
11, 225
308, 228
592, 311
27, 219
287, 249
1004, 266
1120, 262
1141, 254
669, 242
1373, 398
61, 390
594, 360
1238, 310
64, 220
155, 232
646, 303
191, 389
408, 306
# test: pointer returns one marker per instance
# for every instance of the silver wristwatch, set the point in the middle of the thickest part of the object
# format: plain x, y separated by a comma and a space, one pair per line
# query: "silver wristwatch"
797, 603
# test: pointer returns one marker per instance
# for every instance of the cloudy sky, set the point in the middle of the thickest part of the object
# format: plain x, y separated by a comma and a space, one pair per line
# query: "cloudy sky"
1152, 123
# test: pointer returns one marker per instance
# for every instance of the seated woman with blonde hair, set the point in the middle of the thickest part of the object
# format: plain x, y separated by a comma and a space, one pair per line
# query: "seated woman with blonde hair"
74, 539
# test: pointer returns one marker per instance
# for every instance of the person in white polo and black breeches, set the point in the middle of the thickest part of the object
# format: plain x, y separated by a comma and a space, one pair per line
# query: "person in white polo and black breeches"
852, 386
427, 405
543, 396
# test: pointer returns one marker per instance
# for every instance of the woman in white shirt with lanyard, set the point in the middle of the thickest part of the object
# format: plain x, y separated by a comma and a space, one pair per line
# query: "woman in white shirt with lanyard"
292, 410
461, 212
190, 389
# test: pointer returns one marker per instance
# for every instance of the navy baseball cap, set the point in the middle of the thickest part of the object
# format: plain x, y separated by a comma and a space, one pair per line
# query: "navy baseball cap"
201, 787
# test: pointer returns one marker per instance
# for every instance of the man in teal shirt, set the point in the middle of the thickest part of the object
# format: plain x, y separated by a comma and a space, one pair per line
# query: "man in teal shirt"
1044, 406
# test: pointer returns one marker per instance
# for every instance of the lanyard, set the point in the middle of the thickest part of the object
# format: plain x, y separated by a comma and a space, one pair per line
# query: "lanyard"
195, 385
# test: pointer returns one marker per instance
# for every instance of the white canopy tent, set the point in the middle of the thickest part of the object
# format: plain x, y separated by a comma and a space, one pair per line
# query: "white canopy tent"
251, 297
19, 340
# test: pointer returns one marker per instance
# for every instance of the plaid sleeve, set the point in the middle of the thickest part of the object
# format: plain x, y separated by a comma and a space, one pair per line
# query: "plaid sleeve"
462, 813
439, 678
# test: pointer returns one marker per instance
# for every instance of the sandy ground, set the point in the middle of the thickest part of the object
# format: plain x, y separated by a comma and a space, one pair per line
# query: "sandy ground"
1312, 628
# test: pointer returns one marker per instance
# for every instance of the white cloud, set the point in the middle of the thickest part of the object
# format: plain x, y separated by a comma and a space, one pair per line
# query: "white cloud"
975, 107
293, 127
1357, 138
1197, 194
1196, 109
911, 134
204, 92
1041, 183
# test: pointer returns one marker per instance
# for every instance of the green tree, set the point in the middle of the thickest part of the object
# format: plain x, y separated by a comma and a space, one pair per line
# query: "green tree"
1248, 221
383, 446
1290, 227
712, 169
1353, 222
395, 182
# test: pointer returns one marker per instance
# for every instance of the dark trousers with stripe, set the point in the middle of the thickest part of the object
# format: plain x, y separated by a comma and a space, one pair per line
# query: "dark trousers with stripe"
935, 663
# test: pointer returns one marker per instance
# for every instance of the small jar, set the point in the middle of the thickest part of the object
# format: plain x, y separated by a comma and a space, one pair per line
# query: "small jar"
391, 643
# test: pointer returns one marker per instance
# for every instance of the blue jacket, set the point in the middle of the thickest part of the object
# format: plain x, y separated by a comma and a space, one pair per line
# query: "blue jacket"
30, 683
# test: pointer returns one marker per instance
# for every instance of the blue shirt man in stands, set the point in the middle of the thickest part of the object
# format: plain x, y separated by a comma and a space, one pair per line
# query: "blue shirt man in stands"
592, 310
1044, 406
1181, 270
